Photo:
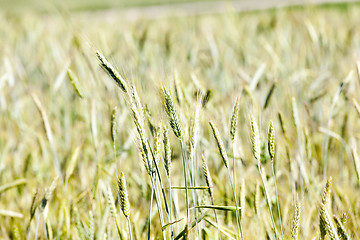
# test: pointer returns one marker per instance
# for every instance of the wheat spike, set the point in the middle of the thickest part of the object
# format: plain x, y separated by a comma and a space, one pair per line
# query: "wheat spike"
325, 200
327, 225
296, 222
326, 196
112, 72
114, 124
341, 229
207, 175
170, 109
75, 83
234, 118
220, 144
167, 150
255, 139
124, 198
157, 145
271, 141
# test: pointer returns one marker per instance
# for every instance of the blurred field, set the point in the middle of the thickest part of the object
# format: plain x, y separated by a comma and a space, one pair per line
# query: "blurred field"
81, 5
297, 67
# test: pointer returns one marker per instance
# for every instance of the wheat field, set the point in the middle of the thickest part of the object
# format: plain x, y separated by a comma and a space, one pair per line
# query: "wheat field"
217, 126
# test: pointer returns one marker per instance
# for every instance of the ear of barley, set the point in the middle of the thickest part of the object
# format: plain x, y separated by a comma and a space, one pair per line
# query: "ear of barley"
326, 196
255, 139
112, 72
114, 124
48, 193
157, 145
207, 175
170, 109
139, 124
296, 222
167, 150
271, 141
220, 144
145, 159
234, 118
325, 200
75, 83
34, 204
327, 225
124, 198
341, 229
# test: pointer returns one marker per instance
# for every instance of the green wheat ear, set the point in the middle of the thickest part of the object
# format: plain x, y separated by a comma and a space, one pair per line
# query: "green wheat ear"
114, 124
271, 141
124, 198
171, 111
220, 144
255, 139
296, 222
207, 175
234, 118
167, 150
112, 72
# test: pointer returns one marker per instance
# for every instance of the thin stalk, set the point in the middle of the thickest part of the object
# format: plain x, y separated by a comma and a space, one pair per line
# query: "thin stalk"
158, 203
170, 210
216, 219
129, 225
116, 172
192, 184
151, 203
237, 210
37, 225
160, 182
268, 201
277, 198
186, 185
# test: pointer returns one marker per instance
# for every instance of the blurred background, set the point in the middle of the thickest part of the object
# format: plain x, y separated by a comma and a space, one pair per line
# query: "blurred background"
190, 6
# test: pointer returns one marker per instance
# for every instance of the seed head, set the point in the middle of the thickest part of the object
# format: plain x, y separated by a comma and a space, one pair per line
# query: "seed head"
167, 150
112, 72
220, 144
114, 124
255, 139
124, 199
170, 109
207, 175
271, 141
234, 118
296, 222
